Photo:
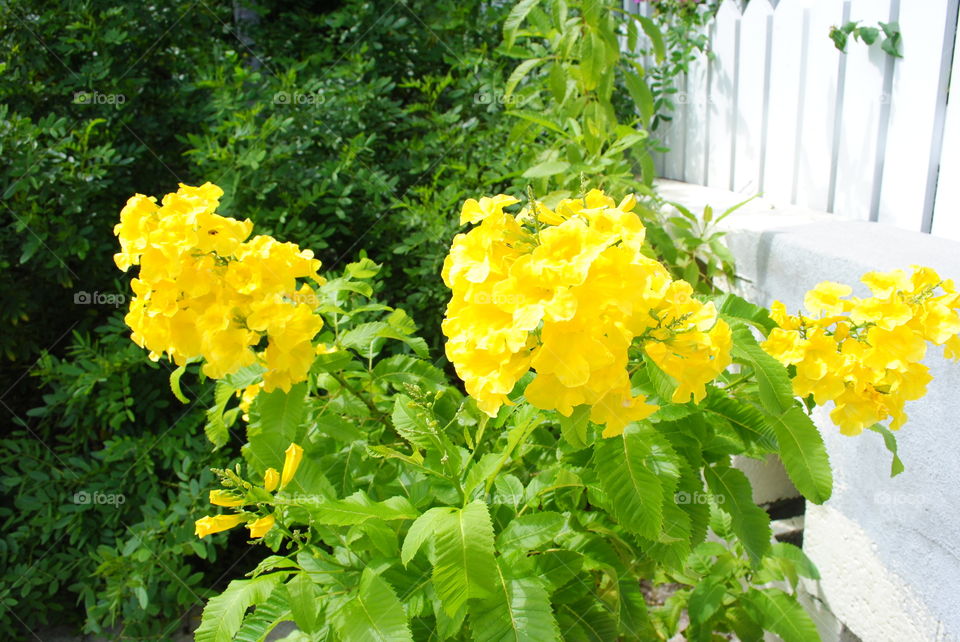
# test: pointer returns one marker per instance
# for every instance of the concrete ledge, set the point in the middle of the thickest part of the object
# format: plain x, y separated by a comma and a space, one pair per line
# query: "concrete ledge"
888, 549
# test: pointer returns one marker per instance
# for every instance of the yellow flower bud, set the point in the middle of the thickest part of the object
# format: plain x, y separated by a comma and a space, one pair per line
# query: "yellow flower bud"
291, 462
262, 526
215, 524
271, 479
224, 498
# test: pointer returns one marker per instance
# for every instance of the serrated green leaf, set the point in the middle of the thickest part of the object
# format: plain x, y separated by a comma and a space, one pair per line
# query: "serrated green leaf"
223, 614
422, 529
803, 564
304, 602
530, 532
780, 613
804, 454
518, 611
705, 599
257, 625
465, 566
776, 390
358, 508
735, 497
276, 421
750, 423
632, 487
514, 19
374, 615
652, 29
733, 306
518, 75
414, 423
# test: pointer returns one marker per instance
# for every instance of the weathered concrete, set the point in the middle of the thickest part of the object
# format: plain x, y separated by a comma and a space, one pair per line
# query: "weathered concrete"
888, 549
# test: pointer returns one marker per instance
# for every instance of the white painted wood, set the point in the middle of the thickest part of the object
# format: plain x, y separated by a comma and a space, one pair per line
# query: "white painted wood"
785, 61
946, 213
912, 111
696, 125
817, 115
860, 118
723, 96
750, 97
673, 135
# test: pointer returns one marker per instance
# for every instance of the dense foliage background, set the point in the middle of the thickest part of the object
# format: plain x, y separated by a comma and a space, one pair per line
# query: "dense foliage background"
347, 127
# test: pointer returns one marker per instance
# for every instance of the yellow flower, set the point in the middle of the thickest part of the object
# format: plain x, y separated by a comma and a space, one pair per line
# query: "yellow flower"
566, 293
261, 526
825, 298
291, 461
225, 498
209, 525
475, 211
271, 479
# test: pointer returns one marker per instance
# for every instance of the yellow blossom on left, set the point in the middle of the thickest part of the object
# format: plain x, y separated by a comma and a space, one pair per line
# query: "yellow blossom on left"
205, 289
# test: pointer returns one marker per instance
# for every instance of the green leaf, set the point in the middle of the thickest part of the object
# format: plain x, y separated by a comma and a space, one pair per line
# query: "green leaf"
304, 600
518, 75
574, 427
548, 168
780, 613
415, 424
705, 599
747, 421
422, 529
276, 421
465, 566
374, 615
630, 482
216, 428
518, 611
223, 614
839, 37
776, 390
731, 305
890, 441
175, 383
735, 497
656, 37
257, 625
641, 95
803, 564
869, 35
514, 20
804, 454
358, 508
530, 532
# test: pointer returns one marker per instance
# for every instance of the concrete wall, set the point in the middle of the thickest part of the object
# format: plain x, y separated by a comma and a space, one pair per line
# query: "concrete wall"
888, 549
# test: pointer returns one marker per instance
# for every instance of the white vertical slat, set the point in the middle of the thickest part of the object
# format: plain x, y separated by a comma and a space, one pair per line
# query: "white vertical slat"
860, 117
946, 213
785, 62
750, 96
913, 110
673, 135
818, 106
722, 103
695, 127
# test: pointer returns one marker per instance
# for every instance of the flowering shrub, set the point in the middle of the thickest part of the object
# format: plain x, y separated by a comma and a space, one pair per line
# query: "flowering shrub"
591, 458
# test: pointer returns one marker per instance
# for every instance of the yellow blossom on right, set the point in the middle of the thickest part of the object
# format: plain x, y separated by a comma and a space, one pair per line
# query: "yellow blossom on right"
864, 354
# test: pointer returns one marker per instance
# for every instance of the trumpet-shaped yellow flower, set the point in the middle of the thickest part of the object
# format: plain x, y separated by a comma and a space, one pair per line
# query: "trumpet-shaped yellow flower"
864, 354
205, 289
566, 293
225, 498
291, 461
215, 524
261, 526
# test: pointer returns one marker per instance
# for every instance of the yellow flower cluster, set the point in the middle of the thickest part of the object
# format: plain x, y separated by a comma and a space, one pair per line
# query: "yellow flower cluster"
864, 354
205, 290
566, 292
272, 480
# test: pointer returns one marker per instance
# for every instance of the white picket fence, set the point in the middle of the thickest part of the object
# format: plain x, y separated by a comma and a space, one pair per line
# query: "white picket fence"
779, 110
